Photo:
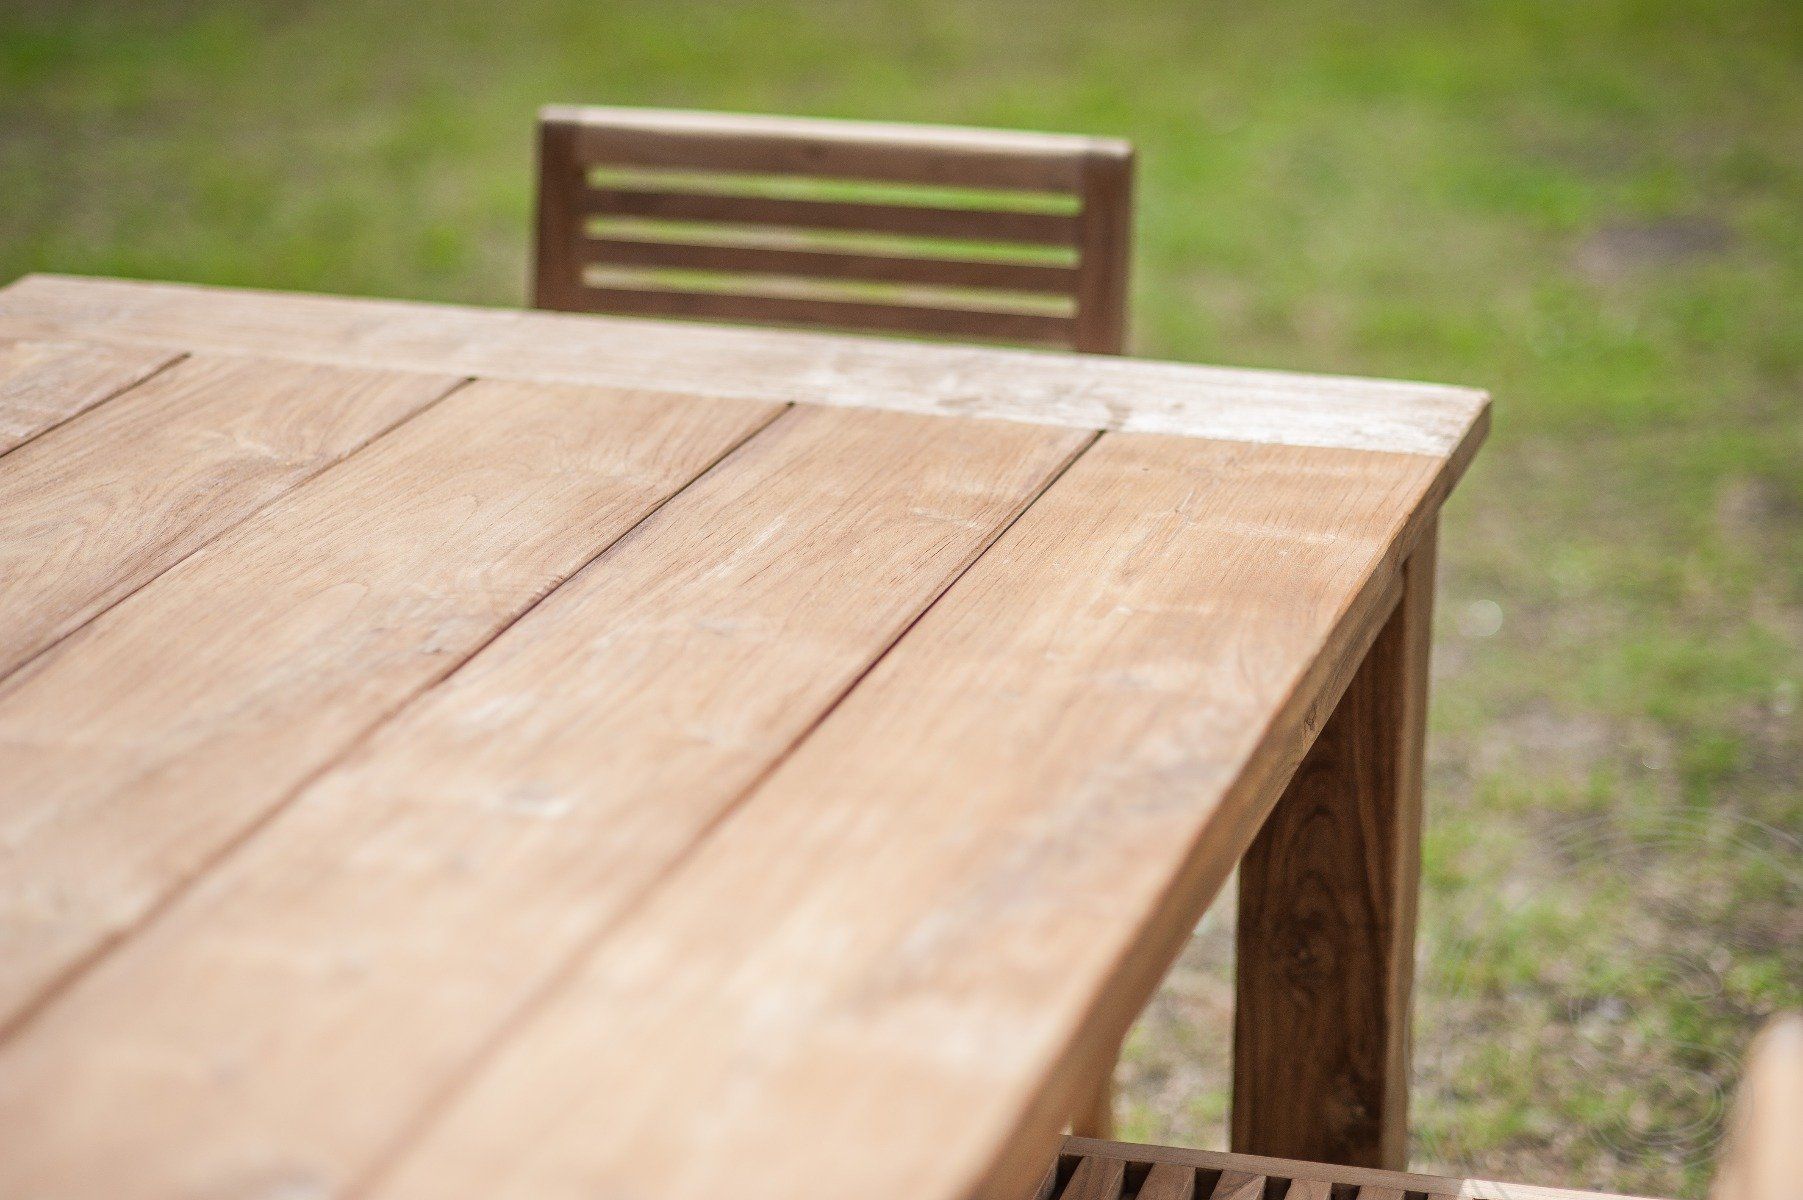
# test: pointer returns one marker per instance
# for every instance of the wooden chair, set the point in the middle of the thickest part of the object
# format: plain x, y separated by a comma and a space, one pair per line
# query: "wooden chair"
1762, 1157
964, 233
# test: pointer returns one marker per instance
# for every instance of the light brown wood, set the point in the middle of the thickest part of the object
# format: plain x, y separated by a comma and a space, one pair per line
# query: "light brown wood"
1762, 1157
1095, 173
523, 804
93, 510
43, 384
1168, 1181
1096, 1179
142, 746
1307, 1180
1094, 1115
1326, 947
1028, 327
566, 794
1085, 391
1238, 1185
968, 879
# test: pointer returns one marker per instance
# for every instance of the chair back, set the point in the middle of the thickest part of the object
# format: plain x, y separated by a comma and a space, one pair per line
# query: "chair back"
961, 233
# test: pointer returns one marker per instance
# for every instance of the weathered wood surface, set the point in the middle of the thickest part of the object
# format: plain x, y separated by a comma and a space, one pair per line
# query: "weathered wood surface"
95, 509
43, 384
583, 790
1084, 391
492, 830
976, 869
1325, 952
142, 746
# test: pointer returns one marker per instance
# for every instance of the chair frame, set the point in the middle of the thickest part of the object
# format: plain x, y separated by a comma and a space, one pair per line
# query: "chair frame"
575, 141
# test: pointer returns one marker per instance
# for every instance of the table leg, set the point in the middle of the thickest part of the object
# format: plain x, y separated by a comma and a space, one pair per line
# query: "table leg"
1326, 934
1094, 1117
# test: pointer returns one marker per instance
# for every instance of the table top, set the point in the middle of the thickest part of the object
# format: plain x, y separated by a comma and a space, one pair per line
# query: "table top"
458, 752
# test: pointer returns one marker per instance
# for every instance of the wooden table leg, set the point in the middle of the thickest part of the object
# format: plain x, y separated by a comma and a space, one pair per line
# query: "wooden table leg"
1094, 1117
1326, 935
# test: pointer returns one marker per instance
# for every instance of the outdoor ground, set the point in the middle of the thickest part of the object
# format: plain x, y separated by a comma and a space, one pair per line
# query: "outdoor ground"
1592, 207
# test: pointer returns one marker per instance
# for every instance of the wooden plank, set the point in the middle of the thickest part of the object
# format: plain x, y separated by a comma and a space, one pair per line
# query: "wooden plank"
838, 314
833, 264
905, 220
1088, 391
371, 940
1168, 1181
828, 149
1305, 1189
1096, 1179
1326, 944
144, 745
1370, 1192
1238, 1185
43, 384
91, 511
893, 961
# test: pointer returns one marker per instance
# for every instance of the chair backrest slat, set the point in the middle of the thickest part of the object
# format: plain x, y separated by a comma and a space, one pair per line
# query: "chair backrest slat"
1000, 236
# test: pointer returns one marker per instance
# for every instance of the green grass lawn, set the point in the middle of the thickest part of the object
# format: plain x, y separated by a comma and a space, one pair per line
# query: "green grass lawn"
1592, 207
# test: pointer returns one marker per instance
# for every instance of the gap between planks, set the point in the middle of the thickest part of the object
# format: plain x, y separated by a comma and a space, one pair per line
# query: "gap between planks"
435, 1108
27, 1003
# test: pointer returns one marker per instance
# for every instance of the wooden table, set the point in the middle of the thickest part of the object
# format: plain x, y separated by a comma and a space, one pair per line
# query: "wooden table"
462, 753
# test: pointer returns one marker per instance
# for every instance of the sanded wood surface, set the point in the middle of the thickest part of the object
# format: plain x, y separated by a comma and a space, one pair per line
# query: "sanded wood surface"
495, 827
1086, 391
987, 854
144, 743
647, 760
43, 384
95, 509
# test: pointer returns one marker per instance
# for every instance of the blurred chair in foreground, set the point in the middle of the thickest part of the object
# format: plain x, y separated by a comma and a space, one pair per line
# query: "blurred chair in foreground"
1762, 1156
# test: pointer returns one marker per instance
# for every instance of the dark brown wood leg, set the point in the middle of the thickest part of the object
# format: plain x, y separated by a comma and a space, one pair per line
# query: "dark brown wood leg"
1327, 919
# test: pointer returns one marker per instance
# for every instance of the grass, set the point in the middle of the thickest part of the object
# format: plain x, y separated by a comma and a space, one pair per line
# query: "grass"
1591, 209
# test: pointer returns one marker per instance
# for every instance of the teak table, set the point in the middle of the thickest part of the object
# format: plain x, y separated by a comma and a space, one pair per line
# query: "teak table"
464, 753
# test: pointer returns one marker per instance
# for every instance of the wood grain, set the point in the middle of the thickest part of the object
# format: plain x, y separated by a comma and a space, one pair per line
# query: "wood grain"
405, 909
970, 877
1325, 954
1096, 1179
43, 384
999, 325
146, 743
1167, 1181
91, 511
1082, 391
1238, 1185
